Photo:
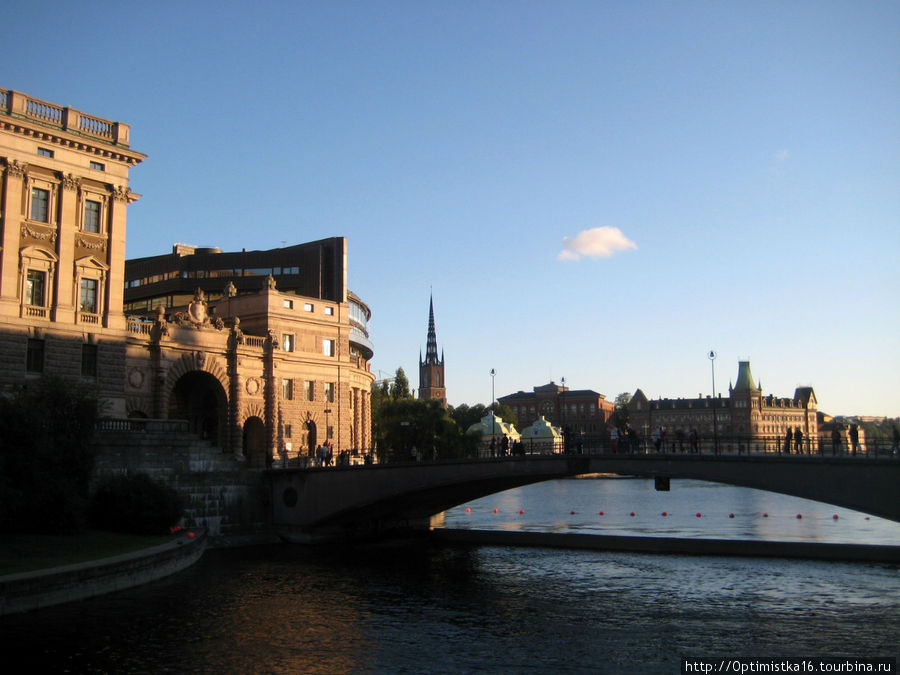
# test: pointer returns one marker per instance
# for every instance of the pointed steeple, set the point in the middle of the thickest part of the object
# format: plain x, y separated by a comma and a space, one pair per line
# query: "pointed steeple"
431, 353
431, 370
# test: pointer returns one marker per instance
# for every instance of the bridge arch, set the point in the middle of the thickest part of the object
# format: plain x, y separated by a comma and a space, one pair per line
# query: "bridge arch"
372, 499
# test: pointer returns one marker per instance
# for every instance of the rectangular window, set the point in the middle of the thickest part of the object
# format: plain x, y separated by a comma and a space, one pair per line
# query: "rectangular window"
310, 388
287, 389
34, 356
40, 205
44, 152
36, 282
288, 304
328, 347
308, 307
287, 430
89, 360
329, 392
329, 311
99, 166
89, 296
91, 216
287, 342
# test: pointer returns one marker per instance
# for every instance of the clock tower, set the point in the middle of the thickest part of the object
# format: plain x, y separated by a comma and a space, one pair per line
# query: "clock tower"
431, 369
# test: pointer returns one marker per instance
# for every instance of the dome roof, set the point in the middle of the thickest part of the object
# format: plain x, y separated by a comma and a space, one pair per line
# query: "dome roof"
541, 429
491, 425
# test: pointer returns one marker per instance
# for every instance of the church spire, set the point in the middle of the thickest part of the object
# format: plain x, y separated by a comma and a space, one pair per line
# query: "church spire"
431, 370
431, 353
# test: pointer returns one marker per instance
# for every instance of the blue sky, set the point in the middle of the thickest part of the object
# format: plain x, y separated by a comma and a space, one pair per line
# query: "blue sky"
601, 191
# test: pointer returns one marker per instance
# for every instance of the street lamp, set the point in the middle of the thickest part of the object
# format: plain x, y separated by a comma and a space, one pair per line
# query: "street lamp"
493, 411
712, 363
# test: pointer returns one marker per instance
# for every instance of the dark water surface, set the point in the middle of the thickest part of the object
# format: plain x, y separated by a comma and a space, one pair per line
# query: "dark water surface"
417, 608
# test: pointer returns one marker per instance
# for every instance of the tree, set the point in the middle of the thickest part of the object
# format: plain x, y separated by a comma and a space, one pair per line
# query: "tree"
409, 424
622, 417
505, 413
400, 387
466, 416
46, 456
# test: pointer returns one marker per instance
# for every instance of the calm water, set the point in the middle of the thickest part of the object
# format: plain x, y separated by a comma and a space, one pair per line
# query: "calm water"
426, 609
756, 514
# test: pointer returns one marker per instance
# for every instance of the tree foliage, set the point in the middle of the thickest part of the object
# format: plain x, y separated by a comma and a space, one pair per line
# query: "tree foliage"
136, 504
622, 416
46, 456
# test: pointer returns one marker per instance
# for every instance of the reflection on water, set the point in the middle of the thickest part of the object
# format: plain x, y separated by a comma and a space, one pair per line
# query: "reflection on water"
725, 512
416, 608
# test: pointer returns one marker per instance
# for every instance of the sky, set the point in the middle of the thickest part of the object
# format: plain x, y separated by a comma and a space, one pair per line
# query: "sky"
598, 191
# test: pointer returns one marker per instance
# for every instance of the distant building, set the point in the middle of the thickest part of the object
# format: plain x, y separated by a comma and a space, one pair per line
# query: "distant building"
432, 385
583, 412
265, 353
746, 419
496, 435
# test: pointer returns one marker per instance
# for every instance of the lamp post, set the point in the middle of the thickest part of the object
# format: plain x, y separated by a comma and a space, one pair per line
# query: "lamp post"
712, 363
493, 410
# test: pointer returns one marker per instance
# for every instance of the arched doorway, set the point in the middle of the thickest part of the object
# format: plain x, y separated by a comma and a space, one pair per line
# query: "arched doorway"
255, 443
199, 398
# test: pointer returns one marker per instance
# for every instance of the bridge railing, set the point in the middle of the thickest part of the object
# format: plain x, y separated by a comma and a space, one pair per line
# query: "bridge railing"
729, 444
597, 445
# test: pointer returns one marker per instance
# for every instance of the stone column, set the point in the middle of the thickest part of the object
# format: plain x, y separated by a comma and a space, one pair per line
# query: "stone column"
272, 396
12, 184
113, 316
67, 290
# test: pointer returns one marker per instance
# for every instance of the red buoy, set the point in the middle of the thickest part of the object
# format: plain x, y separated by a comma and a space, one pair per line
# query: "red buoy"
495, 510
631, 514
731, 515
521, 511
600, 514
834, 517
699, 515
571, 513
765, 515
468, 509
799, 516
191, 535
664, 514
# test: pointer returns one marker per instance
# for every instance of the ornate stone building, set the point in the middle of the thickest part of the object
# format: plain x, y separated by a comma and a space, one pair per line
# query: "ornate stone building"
263, 352
432, 384
745, 419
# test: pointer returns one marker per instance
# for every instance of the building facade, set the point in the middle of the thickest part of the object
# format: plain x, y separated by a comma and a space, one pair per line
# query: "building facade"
265, 353
432, 385
579, 413
746, 419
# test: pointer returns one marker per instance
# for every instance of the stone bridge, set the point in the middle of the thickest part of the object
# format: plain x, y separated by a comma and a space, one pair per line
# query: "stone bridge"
314, 504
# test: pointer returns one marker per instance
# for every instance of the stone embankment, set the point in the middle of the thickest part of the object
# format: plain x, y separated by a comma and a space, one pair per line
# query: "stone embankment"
44, 588
222, 495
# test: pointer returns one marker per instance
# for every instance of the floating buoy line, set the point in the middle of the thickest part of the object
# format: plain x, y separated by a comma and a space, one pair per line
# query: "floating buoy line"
666, 514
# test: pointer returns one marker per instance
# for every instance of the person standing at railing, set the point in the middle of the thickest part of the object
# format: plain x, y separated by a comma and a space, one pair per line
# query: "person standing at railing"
835, 440
787, 441
798, 440
854, 437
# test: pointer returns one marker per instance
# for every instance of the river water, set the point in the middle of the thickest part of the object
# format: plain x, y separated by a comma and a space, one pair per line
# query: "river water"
421, 608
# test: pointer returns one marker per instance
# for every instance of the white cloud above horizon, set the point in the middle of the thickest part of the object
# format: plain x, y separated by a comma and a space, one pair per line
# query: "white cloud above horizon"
599, 242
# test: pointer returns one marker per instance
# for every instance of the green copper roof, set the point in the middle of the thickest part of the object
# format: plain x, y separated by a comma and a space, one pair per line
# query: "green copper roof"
744, 378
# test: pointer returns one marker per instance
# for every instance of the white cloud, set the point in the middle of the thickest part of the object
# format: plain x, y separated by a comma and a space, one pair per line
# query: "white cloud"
599, 242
